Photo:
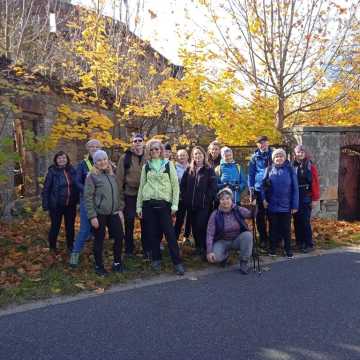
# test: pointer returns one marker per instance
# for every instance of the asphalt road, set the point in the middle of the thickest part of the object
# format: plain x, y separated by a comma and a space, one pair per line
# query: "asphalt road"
301, 309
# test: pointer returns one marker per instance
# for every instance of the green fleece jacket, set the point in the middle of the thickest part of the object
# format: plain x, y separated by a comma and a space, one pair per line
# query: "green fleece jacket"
101, 194
158, 185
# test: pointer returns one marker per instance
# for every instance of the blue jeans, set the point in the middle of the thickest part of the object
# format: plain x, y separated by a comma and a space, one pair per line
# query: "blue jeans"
85, 229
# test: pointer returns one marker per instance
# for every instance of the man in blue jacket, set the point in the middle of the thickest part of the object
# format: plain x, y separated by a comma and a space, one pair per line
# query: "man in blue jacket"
81, 173
259, 161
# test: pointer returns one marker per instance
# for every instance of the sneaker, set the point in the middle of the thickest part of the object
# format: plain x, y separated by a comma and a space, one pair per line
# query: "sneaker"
162, 247
156, 265
100, 271
244, 267
308, 250
186, 242
117, 267
74, 259
147, 256
271, 254
179, 269
290, 256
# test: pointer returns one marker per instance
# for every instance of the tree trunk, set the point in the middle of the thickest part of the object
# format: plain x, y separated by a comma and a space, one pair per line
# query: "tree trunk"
280, 115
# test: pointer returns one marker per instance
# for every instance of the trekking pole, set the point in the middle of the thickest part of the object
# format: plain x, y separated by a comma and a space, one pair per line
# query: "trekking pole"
255, 252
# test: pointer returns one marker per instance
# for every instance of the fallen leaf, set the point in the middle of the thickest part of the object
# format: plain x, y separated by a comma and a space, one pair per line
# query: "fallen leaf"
99, 290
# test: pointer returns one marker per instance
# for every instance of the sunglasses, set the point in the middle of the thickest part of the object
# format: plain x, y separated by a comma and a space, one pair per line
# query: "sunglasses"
154, 149
137, 141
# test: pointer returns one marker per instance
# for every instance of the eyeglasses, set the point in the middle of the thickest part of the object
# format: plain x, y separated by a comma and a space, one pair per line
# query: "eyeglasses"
137, 141
154, 149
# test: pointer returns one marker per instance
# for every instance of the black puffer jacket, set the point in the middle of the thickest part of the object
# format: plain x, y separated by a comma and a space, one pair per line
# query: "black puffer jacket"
59, 188
198, 191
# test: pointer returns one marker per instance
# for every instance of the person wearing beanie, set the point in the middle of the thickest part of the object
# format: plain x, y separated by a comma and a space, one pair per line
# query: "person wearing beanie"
167, 151
227, 230
230, 174
157, 202
258, 163
280, 195
213, 154
128, 174
309, 195
103, 207
59, 197
198, 190
85, 228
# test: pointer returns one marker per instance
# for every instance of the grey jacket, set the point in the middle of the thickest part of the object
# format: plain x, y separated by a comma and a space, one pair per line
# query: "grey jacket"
101, 194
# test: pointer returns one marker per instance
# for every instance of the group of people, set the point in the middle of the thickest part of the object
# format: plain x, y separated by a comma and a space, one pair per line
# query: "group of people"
201, 192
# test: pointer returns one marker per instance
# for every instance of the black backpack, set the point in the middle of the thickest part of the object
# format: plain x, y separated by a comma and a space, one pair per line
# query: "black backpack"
167, 168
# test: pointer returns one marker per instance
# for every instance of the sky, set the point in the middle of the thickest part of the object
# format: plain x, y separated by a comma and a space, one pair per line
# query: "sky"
160, 21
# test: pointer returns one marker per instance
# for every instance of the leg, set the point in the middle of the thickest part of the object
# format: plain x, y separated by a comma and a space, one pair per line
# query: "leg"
199, 220
85, 229
244, 243
285, 230
115, 227
152, 229
187, 231
168, 229
298, 227
55, 218
69, 216
99, 240
261, 220
180, 216
221, 250
309, 244
274, 232
129, 215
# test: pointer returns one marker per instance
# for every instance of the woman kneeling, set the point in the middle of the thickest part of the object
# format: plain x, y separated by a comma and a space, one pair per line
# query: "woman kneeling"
227, 230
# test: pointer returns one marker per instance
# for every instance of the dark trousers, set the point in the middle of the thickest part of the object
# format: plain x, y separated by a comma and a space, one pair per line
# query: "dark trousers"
129, 215
181, 216
56, 215
199, 220
158, 221
280, 229
113, 223
302, 225
261, 219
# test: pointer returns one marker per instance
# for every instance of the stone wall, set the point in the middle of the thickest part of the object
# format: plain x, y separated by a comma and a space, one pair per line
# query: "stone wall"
324, 144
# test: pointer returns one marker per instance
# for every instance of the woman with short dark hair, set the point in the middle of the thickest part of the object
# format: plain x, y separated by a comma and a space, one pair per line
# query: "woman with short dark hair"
59, 197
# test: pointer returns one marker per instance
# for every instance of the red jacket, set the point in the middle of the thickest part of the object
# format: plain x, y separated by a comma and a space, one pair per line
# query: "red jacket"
315, 184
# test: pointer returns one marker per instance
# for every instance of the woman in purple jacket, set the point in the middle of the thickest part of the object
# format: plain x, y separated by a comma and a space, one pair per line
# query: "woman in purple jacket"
227, 230
280, 194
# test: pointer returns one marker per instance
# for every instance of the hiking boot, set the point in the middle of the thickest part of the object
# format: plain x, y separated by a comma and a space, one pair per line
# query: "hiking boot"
100, 271
179, 269
308, 250
290, 256
74, 259
272, 254
244, 266
117, 267
156, 265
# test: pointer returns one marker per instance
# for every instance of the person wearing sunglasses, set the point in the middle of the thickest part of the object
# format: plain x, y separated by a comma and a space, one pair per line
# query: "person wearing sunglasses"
157, 202
128, 174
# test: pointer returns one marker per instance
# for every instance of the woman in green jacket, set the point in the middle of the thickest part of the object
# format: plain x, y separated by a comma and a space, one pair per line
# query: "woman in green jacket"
103, 204
157, 201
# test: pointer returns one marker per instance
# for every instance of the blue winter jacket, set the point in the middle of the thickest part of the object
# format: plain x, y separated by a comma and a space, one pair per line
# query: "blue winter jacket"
59, 188
231, 175
280, 188
81, 173
257, 165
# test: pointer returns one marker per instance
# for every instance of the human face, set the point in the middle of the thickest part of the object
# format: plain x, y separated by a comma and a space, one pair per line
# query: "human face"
61, 161
279, 159
263, 146
138, 144
155, 151
214, 151
182, 157
102, 164
198, 156
228, 156
225, 202
167, 154
93, 148
300, 155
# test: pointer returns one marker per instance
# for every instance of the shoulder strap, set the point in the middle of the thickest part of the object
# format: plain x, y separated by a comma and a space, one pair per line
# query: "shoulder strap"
88, 164
127, 161
167, 168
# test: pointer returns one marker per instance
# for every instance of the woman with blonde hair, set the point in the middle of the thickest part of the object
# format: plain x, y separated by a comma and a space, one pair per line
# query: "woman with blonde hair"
103, 203
157, 201
198, 190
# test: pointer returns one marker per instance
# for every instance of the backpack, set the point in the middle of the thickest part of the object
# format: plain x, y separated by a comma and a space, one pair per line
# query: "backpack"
167, 168
218, 169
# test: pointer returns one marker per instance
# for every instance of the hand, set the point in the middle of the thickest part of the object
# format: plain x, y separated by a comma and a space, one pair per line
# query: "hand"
95, 223
139, 214
253, 202
294, 211
266, 204
211, 257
